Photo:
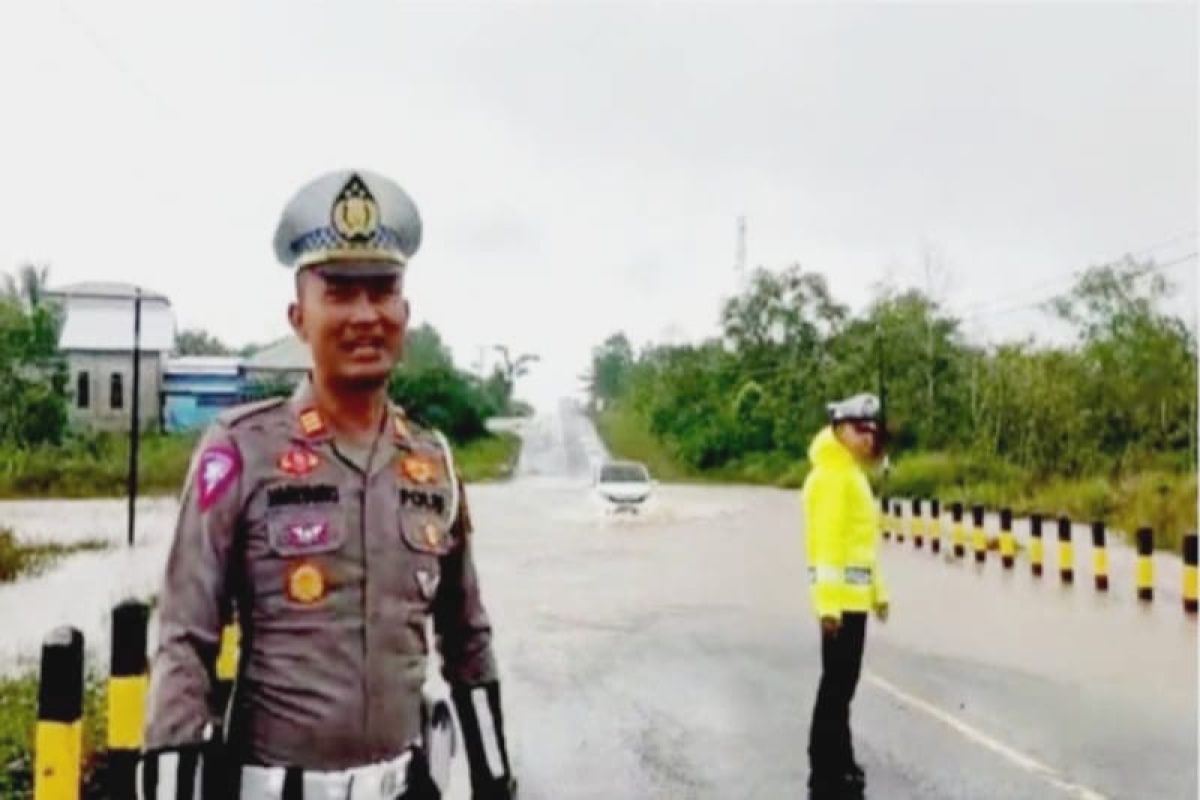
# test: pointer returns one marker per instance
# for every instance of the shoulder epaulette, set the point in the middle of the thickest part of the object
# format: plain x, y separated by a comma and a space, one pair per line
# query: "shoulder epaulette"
232, 416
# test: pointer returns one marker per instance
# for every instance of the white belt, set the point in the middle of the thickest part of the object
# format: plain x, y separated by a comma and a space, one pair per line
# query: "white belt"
383, 781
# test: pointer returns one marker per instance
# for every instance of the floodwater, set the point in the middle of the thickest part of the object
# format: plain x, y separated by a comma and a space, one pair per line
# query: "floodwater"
673, 654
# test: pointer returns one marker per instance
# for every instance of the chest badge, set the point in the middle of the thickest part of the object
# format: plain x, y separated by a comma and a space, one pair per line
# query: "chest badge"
298, 462
306, 583
419, 469
433, 534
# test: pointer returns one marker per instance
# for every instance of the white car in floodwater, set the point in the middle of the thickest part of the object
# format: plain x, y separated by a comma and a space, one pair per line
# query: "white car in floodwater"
623, 486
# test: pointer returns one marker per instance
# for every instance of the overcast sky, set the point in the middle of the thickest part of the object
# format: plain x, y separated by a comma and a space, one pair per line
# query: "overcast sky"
581, 169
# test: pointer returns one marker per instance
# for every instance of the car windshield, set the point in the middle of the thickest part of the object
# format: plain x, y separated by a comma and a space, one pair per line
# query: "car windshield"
624, 473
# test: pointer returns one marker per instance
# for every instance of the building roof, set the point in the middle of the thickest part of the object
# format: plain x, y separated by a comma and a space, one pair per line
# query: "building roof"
203, 365
287, 354
105, 289
99, 317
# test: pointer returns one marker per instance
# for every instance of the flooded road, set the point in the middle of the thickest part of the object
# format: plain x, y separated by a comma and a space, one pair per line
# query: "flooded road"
674, 654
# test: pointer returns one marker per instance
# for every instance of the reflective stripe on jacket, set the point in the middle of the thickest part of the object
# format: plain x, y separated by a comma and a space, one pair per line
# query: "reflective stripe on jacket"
841, 531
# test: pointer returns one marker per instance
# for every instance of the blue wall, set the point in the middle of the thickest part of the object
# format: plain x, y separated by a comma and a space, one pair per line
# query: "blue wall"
192, 401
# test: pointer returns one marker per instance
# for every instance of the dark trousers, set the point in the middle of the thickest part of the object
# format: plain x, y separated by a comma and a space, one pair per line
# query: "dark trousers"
830, 751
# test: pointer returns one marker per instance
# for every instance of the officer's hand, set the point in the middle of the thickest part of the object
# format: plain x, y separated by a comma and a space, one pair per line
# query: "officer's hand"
882, 611
830, 626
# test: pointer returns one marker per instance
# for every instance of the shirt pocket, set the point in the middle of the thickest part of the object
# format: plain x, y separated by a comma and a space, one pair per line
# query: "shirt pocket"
305, 532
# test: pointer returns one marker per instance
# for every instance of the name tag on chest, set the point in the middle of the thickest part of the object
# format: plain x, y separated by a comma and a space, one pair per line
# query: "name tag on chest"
423, 499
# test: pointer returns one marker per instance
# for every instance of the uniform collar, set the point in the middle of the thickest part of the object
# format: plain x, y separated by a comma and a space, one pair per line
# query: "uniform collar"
309, 425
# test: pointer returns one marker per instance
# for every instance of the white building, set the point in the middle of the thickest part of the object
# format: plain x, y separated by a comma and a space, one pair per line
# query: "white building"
97, 340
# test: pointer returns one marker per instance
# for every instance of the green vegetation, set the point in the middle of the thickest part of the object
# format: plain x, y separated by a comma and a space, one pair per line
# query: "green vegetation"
488, 458
628, 435
1102, 428
18, 720
95, 465
41, 457
18, 559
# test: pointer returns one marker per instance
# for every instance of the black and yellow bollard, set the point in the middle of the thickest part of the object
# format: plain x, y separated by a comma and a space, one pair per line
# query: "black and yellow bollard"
918, 524
898, 510
1145, 564
1191, 602
1037, 553
59, 739
935, 526
1066, 551
885, 518
1100, 556
979, 534
127, 683
958, 535
1008, 546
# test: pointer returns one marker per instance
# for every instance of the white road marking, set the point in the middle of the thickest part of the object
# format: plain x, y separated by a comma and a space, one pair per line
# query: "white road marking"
1025, 762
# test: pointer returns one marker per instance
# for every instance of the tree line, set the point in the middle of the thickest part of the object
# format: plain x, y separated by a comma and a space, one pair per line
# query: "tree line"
1120, 397
34, 372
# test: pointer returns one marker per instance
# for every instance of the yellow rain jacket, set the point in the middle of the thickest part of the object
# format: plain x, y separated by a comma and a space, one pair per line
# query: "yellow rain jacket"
842, 531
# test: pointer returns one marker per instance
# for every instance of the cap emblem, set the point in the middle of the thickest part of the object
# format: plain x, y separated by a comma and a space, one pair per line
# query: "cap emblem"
355, 215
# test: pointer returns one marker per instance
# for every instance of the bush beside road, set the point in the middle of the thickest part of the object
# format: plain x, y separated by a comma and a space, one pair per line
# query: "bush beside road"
96, 466
1162, 499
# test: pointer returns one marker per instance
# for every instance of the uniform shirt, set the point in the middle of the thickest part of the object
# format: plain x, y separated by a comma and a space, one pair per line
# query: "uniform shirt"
334, 572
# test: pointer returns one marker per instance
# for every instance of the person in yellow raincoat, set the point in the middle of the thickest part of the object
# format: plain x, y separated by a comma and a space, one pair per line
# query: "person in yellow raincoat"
842, 534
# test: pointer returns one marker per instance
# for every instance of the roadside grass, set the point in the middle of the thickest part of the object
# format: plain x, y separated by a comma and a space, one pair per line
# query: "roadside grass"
1150, 494
19, 560
488, 458
97, 465
18, 721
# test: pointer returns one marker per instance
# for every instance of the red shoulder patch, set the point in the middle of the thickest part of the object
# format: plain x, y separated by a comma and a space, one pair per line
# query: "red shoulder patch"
218, 468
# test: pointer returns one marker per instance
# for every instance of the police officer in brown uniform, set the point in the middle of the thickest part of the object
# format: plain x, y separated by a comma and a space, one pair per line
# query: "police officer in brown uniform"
336, 527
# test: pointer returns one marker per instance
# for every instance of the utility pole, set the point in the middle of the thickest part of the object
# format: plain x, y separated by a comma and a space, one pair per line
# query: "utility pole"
135, 426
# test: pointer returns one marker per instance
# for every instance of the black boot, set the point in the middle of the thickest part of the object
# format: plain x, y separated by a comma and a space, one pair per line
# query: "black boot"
854, 784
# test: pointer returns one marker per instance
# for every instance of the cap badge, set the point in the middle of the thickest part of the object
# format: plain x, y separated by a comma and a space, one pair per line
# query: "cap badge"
355, 215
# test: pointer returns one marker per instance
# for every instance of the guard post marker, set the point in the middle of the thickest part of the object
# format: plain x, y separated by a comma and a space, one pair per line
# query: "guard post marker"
935, 526
885, 518
898, 510
1066, 553
1036, 550
957, 535
1008, 547
918, 524
1100, 556
127, 683
1190, 598
1145, 564
58, 741
980, 534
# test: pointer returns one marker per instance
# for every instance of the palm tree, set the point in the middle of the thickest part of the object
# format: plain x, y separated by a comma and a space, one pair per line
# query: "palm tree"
29, 286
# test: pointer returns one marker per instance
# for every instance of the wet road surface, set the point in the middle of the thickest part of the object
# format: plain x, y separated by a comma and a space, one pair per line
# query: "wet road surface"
673, 655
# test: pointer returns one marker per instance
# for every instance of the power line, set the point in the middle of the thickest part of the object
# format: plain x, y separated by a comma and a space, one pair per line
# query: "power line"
1074, 274
1141, 273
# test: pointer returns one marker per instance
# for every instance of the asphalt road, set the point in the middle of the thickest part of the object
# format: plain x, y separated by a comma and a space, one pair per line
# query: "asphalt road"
674, 656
